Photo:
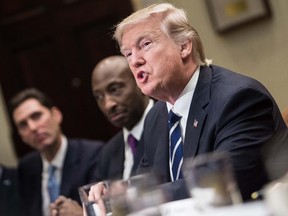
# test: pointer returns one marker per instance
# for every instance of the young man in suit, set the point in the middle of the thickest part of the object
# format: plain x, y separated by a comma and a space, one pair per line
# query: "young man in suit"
219, 110
38, 122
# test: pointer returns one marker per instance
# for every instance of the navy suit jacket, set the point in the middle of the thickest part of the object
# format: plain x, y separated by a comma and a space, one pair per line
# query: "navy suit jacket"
235, 114
112, 157
79, 168
9, 195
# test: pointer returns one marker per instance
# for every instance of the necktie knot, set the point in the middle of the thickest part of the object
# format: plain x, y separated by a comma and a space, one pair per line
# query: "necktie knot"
173, 118
132, 141
51, 170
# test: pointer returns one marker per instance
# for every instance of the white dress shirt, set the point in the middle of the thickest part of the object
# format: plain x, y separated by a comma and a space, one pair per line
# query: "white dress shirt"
182, 104
58, 162
137, 133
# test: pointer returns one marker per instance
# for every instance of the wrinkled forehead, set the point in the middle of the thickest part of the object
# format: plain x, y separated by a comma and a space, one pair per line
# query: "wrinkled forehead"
142, 25
133, 35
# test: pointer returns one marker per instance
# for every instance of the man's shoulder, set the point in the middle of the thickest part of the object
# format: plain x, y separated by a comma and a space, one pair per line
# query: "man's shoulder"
229, 82
84, 145
158, 106
221, 73
117, 137
30, 164
85, 142
156, 111
30, 157
115, 142
8, 172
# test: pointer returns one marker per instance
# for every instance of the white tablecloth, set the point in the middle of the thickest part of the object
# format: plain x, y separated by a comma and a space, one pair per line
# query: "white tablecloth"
187, 208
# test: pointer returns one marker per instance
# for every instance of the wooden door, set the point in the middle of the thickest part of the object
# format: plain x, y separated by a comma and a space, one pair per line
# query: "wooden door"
53, 45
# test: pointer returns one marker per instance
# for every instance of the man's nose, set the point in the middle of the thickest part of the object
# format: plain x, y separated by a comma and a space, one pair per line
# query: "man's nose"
109, 102
32, 125
137, 60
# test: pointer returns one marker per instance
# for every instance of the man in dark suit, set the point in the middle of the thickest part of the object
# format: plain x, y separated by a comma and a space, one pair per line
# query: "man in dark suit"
125, 106
9, 196
219, 110
38, 123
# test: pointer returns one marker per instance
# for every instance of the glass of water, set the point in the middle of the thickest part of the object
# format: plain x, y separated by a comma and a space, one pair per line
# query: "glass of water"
210, 180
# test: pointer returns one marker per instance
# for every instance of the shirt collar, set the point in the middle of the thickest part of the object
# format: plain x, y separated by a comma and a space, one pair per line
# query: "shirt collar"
138, 128
58, 160
182, 104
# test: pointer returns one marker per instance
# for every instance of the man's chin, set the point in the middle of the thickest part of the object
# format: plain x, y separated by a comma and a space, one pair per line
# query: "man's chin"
118, 125
148, 91
42, 146
118, 120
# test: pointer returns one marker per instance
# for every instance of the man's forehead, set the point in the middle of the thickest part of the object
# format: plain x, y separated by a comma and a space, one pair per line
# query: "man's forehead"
26, 108
137, 38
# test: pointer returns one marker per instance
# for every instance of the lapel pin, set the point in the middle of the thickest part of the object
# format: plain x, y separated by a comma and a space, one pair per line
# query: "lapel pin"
195, 124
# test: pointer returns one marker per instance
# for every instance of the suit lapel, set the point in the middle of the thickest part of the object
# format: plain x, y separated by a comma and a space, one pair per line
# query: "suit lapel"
117, 166
69, 166
194, 127
197, 114
36, 180
139, 154
162, 140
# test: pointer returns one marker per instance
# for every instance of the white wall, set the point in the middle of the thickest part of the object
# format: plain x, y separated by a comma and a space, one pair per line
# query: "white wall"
7, 154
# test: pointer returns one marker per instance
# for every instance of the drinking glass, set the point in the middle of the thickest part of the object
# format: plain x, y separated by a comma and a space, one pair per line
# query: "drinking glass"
210, 180
276, 196
91, 207
124, 197
144, 195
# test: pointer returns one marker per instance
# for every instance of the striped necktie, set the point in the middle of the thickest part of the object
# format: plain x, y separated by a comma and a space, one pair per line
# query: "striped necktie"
176, 146
53, 186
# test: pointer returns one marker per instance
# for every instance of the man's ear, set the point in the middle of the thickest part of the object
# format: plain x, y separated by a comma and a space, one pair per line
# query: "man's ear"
186, 49
57, 114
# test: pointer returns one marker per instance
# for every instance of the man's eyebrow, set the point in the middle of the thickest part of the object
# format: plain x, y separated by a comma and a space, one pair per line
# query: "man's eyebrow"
144, 35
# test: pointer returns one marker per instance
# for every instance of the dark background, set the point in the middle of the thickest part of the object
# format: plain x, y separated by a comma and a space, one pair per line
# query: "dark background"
54, 45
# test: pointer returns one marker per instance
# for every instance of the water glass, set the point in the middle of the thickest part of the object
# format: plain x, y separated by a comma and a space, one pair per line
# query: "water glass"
210, 180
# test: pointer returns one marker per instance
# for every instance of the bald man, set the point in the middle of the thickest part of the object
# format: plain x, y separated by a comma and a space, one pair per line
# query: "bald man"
125, 106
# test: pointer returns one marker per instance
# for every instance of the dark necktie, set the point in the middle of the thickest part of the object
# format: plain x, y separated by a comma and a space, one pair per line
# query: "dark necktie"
132, 141
53, 186
176, 146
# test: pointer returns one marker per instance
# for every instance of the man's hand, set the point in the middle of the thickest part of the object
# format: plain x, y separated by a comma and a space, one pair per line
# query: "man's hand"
64, 206
96, 194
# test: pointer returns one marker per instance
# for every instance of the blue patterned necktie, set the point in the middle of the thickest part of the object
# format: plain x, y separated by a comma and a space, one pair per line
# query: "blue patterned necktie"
53, 186
176, 146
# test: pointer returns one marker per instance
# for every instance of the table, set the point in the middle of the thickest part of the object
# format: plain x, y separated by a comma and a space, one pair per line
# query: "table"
186, 207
